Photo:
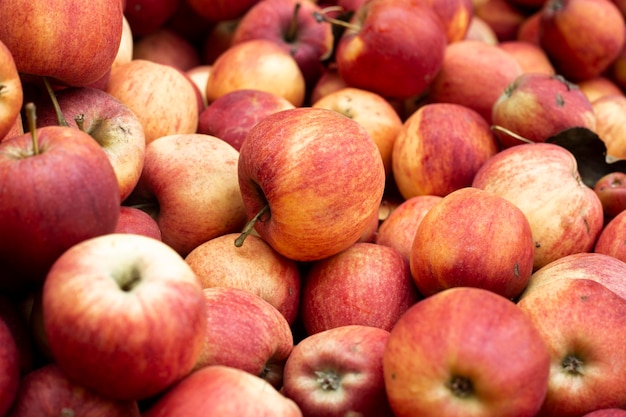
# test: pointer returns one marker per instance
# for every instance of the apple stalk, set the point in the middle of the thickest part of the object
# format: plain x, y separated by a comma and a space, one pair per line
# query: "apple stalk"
290, 36
250, 225
55, 103
31, 118
322, 16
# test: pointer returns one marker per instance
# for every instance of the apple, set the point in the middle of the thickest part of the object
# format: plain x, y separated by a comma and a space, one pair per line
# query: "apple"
455, 15
255, 267
292, 25
487, 71
136, 311
112, 124
76, 47
392, 48
166, 46
13, 316
134, 220
479, 30
189, 24
311, 179
231, 116
529, 56
330, 81
257, 64
199, 75
610, 241
466, 351
10, 378
503, 16
146, 16
218, 10
528, 30
246, 332
617, 69
224, 391
162, 97
366, 284
372, 111
189, 185
42, 172
565, 219
16, 129
610, 113
339, 372
11, 93
602, 268
583, 324
607, 412
611, 190
440, 148
47, 392
598, 87
398, 229
550, 101
127, 44
576, 57
217, 40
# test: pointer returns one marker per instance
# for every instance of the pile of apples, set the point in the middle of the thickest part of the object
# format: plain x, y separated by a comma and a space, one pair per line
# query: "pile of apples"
285, 208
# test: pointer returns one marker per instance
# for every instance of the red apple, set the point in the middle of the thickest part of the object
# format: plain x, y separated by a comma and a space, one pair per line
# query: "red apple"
189, 185
394, 48
503, 16
531, 57
366, 284
255, 267
398, 229
162, 97
217, 40
528, 30
231, 116
167, 47
9, 368
611, 241
611, 190
11, 93
607, 412
455, 15
487, 70
467, 352
330, 81
577, 57
565, 219
312, 179
583, 324
16, 129
550, 101
222, 391
146, 16
292, 25
610, 113
47, 392
246, 332
218, 10
339, 372
75, 47
199, 75
134, 220
440, 148
480, 31
136, 312
598, 87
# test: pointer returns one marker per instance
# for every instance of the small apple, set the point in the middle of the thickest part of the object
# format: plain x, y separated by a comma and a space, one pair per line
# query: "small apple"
611, 241
503, 16
607, 412
611, 190
217, 40
134, 220
530, 56
610, 113
219, 10
330, 81
455, 15
480, 31
528, 30
598, 87
11, 93
167, 47
146, 16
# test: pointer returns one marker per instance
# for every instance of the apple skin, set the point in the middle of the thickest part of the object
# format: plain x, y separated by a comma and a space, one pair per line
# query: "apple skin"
482, 357
189, 185
217, 40
316, 159
598, 87
137, 221
574, 57
231, 116
550, 101
167, 47
147, 16
528, 30
530, 56
11, 93
339, 372
255, 267
398, 229
127, 44
565, 219
610, 112
199, 75
366, 284
146, 297
610, 241
473, 238
222, 391
503, 16
70, 166
487, 70
47, 392
611, 190
587, 359
400, 42
219, 10
107, 120
13, 315
602, 268
259, 64
330, 81
607, 412
9, 368
455, 15
16, 129
246, 332
309, 41
480, 31
162, 97
84, 42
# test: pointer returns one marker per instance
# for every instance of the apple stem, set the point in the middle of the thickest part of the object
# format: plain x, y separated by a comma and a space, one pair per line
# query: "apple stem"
80, 121
31, 118
510, 133
290, 36
322, 16
250, 225
55, 103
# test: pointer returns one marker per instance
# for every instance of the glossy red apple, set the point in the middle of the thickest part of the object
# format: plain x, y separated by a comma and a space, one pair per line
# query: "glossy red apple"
146, 16
611, 242
611, 190
134, 220
166, 46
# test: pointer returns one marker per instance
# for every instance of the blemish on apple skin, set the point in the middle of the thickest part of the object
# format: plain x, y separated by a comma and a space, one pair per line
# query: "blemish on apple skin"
584, 297
537, 245
516, 270
560, 102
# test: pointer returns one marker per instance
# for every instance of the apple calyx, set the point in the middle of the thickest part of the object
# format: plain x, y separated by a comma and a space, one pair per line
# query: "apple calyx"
80, 122
292, 31
31, 118
460, 386
250, 225
572, 365
127, 280
322, 17
328, 380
